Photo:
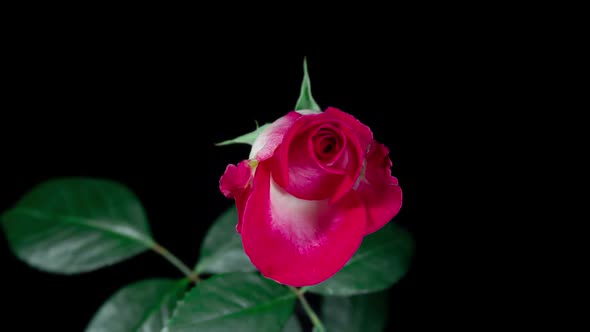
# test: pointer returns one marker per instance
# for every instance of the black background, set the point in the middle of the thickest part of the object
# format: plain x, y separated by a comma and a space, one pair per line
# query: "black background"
149, 119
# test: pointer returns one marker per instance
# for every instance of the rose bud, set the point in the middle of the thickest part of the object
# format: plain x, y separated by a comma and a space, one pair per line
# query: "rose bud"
314, 185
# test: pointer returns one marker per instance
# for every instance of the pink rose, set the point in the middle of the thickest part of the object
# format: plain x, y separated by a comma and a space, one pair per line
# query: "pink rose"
314, 185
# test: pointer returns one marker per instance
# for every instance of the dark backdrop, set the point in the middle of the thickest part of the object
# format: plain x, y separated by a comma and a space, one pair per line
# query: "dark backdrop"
149, 119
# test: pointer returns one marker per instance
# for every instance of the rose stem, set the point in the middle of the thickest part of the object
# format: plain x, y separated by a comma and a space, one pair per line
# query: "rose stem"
176, 262
314, 318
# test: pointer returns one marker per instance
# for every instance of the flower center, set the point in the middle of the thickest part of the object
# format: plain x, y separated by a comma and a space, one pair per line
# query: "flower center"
326, 144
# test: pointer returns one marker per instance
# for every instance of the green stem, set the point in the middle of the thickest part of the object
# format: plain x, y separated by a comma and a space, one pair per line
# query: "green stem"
176, 262
310, 313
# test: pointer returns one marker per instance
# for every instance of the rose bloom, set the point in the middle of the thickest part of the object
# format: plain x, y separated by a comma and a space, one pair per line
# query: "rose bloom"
314, 185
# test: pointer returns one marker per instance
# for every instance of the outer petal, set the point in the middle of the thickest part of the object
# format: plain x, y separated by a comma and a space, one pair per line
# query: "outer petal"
266, 143
236, 183
235, 179
378, 190
299, 242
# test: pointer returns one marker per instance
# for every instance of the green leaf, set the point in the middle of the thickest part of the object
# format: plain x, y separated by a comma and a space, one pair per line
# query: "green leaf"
73, 225
144, 306
222, 250
293, 325
306, 101
383, 259
248, 138
243, 302
360, 313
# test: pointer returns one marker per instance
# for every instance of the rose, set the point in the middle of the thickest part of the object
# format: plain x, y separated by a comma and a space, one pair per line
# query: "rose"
314, 185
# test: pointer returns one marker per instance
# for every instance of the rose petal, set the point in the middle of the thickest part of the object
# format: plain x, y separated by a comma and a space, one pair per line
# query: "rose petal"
266, 143
235, 179
298, 242
302, 175
307, 178
354, 161
379, 190
326, 145
236, 183
364, 133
